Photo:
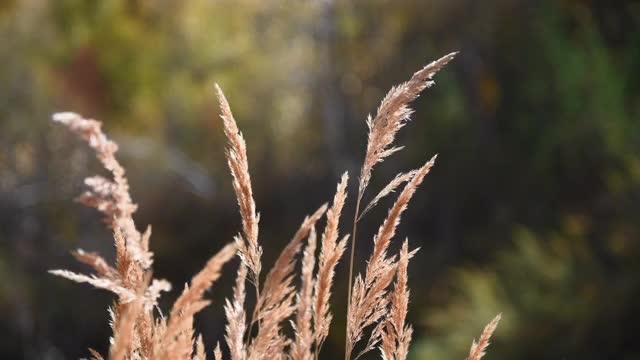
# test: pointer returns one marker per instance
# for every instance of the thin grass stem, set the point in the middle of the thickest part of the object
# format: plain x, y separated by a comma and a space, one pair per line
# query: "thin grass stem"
347, 350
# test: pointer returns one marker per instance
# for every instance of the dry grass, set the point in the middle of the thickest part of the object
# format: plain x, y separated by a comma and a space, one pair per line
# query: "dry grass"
478, 348
378, 299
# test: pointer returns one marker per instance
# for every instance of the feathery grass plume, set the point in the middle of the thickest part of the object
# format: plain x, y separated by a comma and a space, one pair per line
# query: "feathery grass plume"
396, 335
250, 250
112, 198
391, 187
330, 253
152, 294
124, 342
236, 317
373, 304
95, 355
97, 262
202, 281
217, 353
301, 348
388, 228
125, 295
200, 353
135, 333
145, 329
392, 115
478, 349
278, 282
369, 301
109, 196
178, 336
369, 305
275, 303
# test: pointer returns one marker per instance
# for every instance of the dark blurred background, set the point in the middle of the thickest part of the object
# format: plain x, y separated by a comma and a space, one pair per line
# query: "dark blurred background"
532, 210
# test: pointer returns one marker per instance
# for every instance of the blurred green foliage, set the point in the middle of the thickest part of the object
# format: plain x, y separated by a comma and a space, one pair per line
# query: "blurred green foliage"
555, 296
532, 209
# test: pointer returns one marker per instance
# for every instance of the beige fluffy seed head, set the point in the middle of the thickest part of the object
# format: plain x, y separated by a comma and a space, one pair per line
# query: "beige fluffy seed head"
388, 228
236, 317
126, 295
200, 353
478, 349
131, 324
301, 347
395, 334
369, 296
330, 253
392, 115
388, 189
250, 250
217, 353
275, 303
109, 196
203, 280
97, 262
177, 337
278, 283
136, 335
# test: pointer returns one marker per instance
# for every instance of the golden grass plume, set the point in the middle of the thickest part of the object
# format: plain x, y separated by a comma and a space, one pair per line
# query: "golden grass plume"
378, 301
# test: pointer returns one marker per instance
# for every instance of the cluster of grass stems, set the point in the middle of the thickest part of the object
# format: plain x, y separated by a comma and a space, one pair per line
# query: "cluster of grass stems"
377, 300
